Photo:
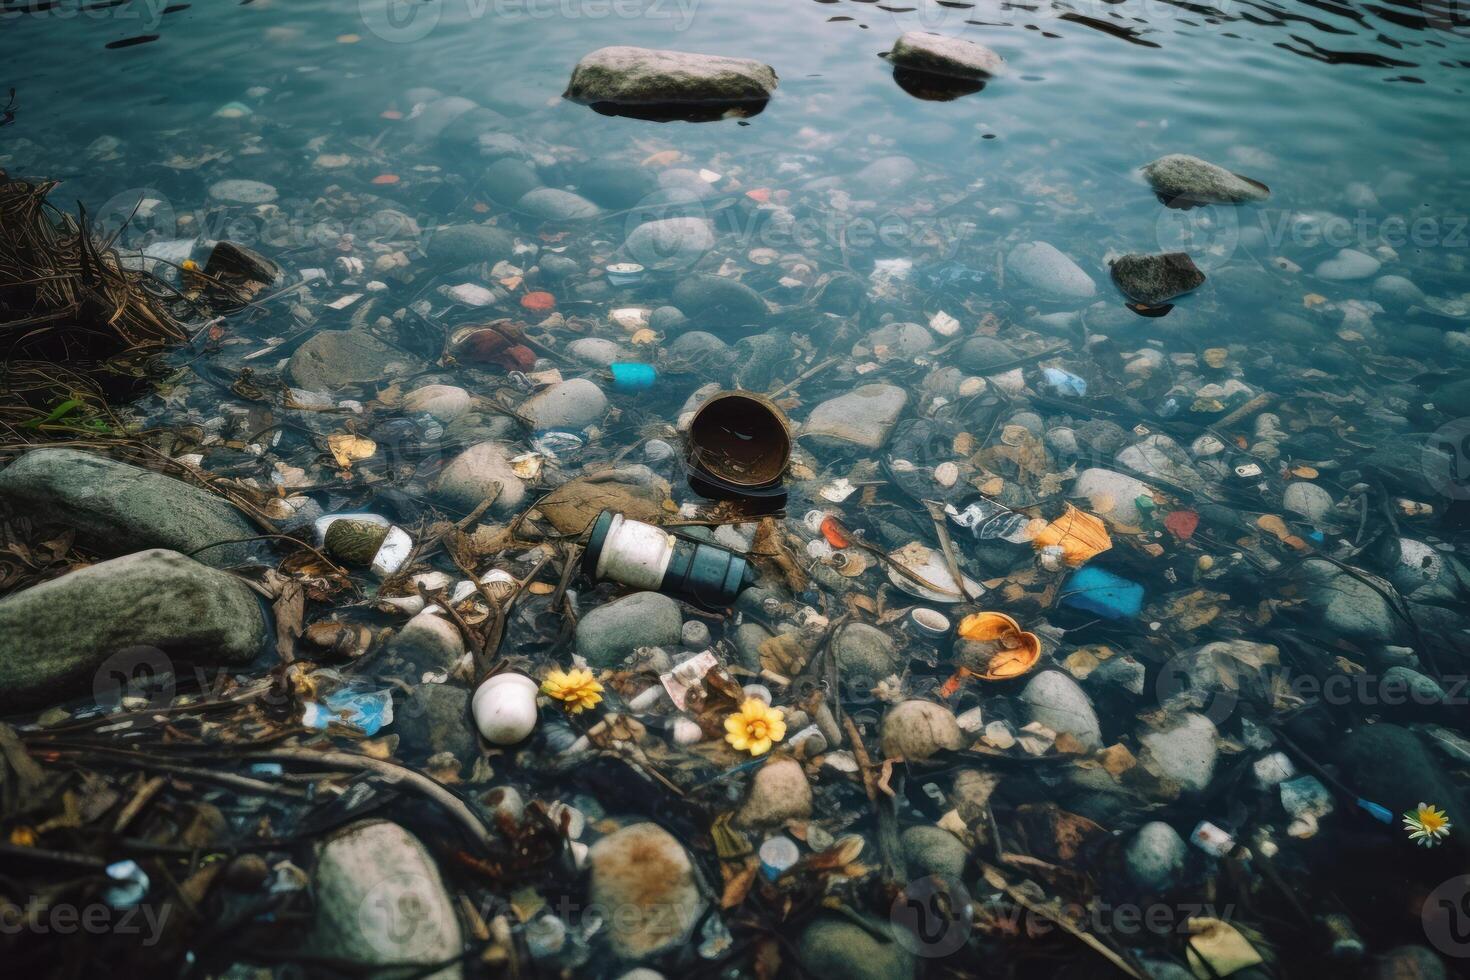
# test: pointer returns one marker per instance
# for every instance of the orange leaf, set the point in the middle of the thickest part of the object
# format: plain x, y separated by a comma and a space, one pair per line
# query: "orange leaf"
383, 179
663, 158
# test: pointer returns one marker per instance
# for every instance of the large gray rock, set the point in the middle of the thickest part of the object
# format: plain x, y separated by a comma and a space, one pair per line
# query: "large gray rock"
779, 792
506, 181
1307, 499
597, 351
609, 633
154, 607
573, 404
1349, 606
670, 243
554, 204
632, 76
1054, 699
864, 653
726, 305
435, 718
832, 946
1184, 752
116, 508
929, 850
1348, 264
1155, 279
941, 55
643, 876
335, 359
380, 902
456, 246
472, 475
1181, 178
862, 418
1155, 856
436, 116
886, 175
1043, 268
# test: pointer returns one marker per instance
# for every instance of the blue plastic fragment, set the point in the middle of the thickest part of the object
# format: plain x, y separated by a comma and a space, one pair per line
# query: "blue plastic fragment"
367, 711
1064, 382
1376, 811
1099, 591
631, 377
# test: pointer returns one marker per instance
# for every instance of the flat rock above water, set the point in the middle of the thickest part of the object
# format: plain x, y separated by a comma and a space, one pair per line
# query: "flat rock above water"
117, 508
632, 75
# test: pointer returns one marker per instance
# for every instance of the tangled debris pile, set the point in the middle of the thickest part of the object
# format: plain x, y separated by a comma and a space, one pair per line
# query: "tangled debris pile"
518, 598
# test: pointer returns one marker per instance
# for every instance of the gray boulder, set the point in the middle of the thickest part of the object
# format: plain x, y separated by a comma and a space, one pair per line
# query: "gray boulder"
941, 55
864, 653
1181, 178
1043, 268
381, 903
832, 946
1349, 606
862, 418
1348, 264
1185, 752
116, 508
456, 246
929, 850
718, 302
670, 243
336, 359
506, 181
97, 623
1155, 856
435, 718
1054, 699
609, 633
632, 76
553, 204
572, 404
1155, 279
472, 475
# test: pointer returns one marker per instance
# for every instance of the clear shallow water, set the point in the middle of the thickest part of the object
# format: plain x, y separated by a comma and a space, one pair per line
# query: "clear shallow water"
1354, 115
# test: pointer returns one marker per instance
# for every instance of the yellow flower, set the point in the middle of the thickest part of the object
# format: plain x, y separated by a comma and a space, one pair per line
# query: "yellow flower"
755, 727
1426, 824
575, 688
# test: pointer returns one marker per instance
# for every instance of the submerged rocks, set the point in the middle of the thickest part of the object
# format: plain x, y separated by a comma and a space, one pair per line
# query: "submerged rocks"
833, 946
116, 508
862, 418
864, 653
1187, 180
456, 246
670, 243
1155, 856
778, 793
1112, 495
1185, 752
723, 304
942, 55
1043, 268
1155, 279
1351, 605
610, 632
572, 404
380, 902
915, 730
1054, 699
933, 851
644, 877
473, 475
335, 359
553, 204
1348, 264
624, 75
147, 608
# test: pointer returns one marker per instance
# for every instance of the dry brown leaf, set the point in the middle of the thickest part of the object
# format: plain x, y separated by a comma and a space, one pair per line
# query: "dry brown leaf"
348, 448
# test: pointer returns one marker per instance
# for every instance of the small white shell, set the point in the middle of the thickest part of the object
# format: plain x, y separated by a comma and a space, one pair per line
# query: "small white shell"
505, 708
